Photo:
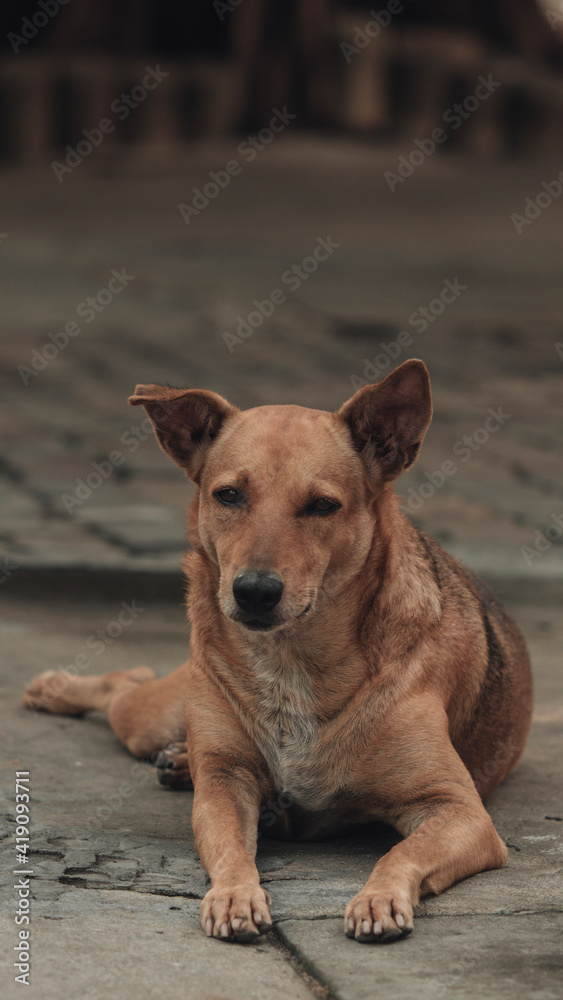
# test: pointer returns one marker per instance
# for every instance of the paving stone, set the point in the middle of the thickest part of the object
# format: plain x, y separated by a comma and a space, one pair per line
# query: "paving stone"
140, 528
496, 957
125, 944
495, 345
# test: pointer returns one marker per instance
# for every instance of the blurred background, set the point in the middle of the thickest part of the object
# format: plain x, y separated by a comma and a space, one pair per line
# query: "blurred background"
279, 201
341, 64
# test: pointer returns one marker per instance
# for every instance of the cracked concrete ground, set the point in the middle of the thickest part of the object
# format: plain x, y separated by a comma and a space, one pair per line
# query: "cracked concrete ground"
116, 882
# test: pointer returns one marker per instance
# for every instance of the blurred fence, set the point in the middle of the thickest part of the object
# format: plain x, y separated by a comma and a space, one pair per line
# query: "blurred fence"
364, 71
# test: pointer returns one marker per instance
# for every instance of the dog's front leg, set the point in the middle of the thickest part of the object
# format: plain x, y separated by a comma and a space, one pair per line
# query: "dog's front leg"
449, 834
229, 786
225, 821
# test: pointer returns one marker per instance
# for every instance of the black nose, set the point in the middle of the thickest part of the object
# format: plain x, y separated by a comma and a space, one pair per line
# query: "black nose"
257, 592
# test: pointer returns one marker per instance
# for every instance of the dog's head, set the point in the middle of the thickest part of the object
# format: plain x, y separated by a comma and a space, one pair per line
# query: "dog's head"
287, 494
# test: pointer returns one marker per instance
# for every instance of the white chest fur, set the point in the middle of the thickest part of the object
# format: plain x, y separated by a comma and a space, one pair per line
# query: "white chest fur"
288, 731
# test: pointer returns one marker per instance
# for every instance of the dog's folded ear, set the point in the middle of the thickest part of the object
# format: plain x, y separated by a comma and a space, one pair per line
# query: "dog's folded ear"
388, 420
186, 421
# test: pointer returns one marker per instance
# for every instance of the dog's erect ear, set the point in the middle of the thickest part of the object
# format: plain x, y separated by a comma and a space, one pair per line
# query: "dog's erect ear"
185, 421
389, 420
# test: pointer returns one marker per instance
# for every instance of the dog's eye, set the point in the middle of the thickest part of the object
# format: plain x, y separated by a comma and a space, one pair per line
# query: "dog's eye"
324, 506
228, 495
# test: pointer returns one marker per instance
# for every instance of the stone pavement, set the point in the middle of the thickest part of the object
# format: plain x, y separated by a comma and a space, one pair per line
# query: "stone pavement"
85, 487
116, 882
92, 516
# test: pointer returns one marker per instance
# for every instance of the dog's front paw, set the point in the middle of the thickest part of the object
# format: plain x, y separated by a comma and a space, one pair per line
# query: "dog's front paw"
380, 917
236, 913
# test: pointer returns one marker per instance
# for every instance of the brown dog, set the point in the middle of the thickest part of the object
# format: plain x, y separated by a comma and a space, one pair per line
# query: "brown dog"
342, 663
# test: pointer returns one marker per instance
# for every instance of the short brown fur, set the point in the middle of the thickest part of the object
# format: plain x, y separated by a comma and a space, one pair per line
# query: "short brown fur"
387, 684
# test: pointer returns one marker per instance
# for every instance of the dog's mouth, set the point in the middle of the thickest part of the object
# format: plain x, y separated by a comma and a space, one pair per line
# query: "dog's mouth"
256, 624
259, 623
266, 623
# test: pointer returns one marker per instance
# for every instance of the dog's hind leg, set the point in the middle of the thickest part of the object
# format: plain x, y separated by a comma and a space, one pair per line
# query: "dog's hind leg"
144, 711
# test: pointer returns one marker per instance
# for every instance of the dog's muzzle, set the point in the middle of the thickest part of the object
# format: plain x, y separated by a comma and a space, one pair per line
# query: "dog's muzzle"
257, 594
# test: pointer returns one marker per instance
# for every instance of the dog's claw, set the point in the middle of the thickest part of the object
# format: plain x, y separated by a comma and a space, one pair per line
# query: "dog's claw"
375, 918
236, 914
